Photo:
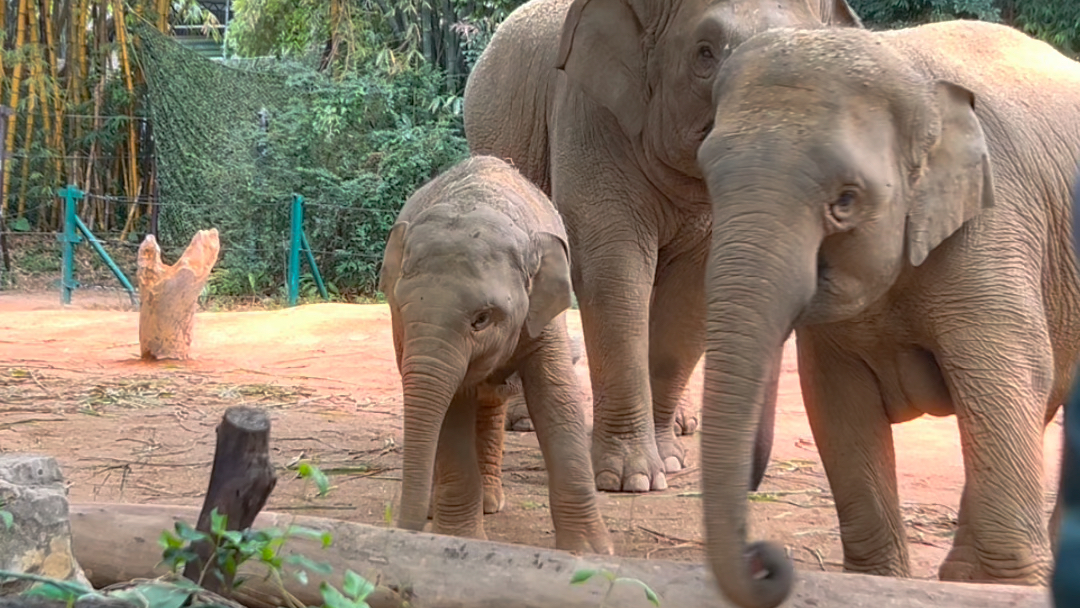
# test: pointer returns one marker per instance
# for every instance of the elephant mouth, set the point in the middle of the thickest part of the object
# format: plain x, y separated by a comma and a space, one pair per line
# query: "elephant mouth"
704, 132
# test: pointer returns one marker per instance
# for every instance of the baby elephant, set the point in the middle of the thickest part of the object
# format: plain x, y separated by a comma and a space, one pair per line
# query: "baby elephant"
477, 275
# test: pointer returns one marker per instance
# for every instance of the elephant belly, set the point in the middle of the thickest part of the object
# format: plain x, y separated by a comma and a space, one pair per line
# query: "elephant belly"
913, 385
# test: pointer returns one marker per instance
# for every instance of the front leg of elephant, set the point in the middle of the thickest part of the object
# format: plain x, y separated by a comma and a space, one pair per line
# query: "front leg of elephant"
1002, 532
459, 489
613, 252
854, 438
554, 402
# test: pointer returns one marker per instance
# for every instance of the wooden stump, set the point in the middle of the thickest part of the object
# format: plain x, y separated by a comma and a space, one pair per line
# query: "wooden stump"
240, 482
169, 294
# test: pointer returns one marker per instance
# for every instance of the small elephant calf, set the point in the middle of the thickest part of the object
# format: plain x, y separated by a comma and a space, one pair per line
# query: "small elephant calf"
477, 275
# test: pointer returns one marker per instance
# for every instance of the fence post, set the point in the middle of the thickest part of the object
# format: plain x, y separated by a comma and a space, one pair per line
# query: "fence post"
297, 231
70, 194
314, 267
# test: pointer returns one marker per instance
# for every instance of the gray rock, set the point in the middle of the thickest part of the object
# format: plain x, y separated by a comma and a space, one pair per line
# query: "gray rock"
39, 541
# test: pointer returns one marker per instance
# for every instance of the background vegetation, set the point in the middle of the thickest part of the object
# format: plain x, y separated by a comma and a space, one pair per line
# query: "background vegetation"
351, 103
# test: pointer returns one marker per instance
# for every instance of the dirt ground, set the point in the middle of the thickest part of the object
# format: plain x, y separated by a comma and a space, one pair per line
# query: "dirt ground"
72, 385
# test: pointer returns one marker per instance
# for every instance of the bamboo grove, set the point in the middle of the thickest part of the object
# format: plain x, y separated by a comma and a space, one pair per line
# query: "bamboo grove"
69, 74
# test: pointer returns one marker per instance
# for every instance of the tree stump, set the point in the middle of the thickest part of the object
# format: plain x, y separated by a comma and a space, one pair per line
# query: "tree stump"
240, 482
169, 294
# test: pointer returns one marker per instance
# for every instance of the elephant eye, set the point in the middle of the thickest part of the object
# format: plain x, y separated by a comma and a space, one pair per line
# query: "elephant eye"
705, 60
844, 206
481, 320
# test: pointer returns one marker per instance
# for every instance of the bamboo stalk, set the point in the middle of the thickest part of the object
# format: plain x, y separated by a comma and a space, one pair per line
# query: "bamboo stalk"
46, 122
133, 162
58, 100
32, 99
163, 16
16, 82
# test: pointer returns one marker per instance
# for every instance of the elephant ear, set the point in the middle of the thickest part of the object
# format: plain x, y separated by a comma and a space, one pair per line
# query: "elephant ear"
550, 292
839, 13
601, 51
956, 181
392, 257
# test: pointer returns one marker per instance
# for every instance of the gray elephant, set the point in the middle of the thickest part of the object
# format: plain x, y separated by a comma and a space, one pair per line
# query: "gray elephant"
900, 200
477, 275
612, 135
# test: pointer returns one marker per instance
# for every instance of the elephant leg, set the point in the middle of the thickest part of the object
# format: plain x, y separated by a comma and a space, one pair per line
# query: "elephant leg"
1000, 391
489, 447
613, 270
676, 343
854, 438
460, 494
557, 410
517, 413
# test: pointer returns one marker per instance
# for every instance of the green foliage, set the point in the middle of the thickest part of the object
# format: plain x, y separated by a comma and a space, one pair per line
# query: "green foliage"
580, 577
1054, 21
230, 549
888, 14
234, 142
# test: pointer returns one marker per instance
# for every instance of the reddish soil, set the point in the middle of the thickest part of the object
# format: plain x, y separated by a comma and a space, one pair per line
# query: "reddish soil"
71, 385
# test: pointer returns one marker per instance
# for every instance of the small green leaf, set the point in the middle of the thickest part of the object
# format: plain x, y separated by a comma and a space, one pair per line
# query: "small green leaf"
7, 518
218, 522
581, 576
189, 534
305, 562
332, 598
312, 472
388, 514
651, 596
356, 586
21, 225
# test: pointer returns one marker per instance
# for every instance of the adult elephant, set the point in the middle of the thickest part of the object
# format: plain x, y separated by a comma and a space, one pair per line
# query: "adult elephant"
612, 136
900, 200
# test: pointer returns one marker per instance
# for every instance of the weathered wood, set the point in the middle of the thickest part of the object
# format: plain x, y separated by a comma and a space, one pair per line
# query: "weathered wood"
116, 542
169, 294
240, 483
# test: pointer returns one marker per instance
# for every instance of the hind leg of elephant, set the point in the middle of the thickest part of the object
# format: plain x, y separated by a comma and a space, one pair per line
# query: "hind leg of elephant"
676, 343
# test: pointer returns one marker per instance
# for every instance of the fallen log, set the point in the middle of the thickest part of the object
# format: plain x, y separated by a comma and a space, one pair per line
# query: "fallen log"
115, 542
168, 294
240, 482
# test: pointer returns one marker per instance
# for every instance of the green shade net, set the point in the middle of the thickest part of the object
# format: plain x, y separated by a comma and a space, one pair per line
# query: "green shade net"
234, 141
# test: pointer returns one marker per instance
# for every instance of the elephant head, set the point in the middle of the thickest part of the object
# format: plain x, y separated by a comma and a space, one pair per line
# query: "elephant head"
834, 168
652, 63
463, 287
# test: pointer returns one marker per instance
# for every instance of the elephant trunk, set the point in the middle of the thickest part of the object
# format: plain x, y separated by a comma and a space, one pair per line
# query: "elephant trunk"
432, 370
762, 273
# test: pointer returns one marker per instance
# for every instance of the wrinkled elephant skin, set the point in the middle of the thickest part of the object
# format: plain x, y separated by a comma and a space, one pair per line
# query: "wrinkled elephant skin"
603, 104
477, 275
901, 201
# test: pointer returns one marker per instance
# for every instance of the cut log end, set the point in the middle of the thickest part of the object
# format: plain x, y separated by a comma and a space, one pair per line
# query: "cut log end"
249, 419
240, 483
169, 295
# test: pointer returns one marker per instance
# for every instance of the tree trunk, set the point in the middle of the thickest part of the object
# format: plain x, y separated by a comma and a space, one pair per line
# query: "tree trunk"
114, 542
240, 482
169, 294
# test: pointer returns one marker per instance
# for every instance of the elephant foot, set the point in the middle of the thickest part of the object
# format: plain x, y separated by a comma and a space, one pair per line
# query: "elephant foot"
517, 415
494, 500
629, 464
686, 418
593, 538
671, 452
1019, 566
